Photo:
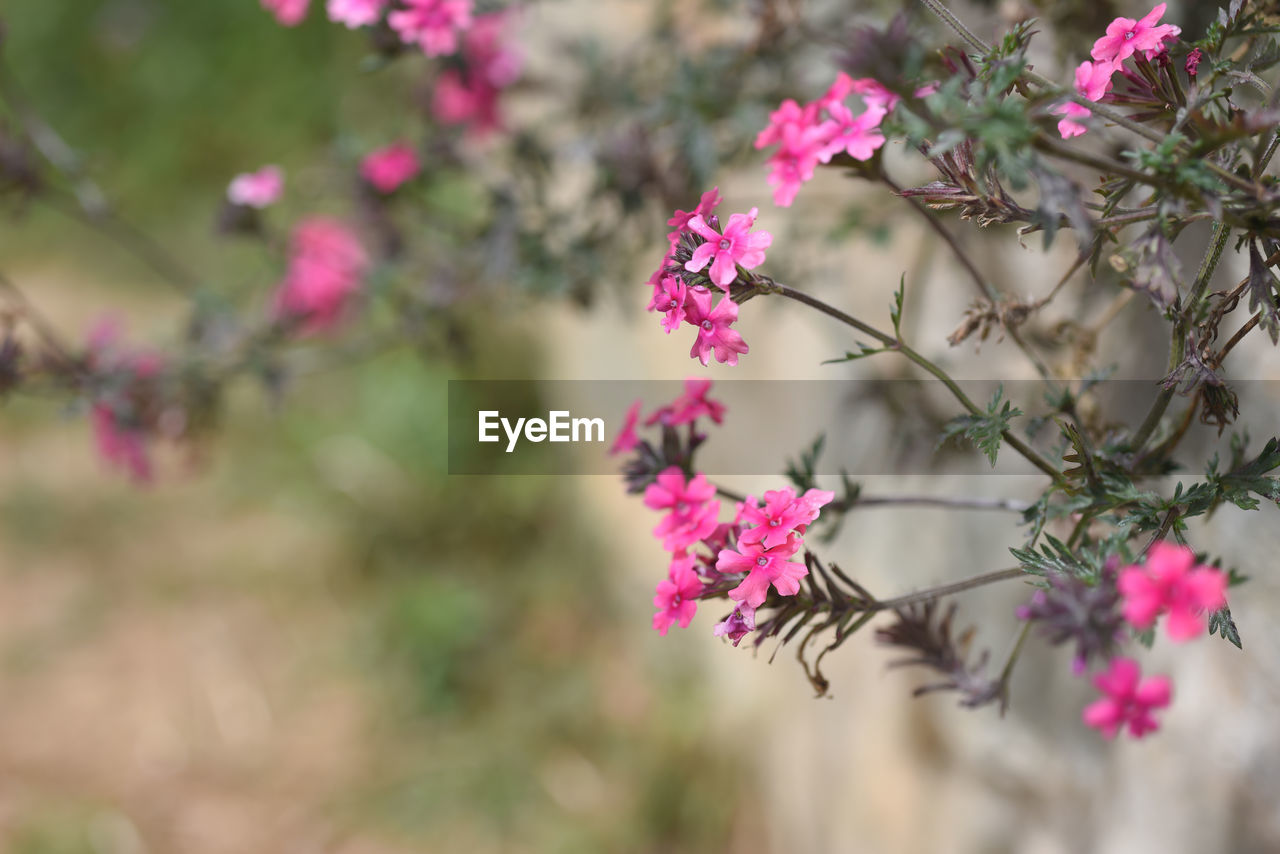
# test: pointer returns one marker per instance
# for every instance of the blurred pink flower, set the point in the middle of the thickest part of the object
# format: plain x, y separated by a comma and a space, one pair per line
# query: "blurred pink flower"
1127, 701
388, 168
288, 12
1170, 583
714, 332
677, 595
259, 189
764, 568
120, 444
470, 96
355, 13
1070, 111
692, 404
433, 25
801, 137
736, 246
326, 266
627, 438
1125, 36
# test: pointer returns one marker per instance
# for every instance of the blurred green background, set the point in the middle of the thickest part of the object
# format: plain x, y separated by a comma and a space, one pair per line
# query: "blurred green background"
309, 637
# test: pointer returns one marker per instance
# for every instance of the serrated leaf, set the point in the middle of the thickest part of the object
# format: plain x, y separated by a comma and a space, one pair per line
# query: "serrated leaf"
1220, 623
985, 431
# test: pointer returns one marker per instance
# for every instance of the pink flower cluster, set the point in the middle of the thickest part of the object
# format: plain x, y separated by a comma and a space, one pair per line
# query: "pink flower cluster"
464, 95
326, 266
744, 558
812, 134
1169, 583
469, 96
1125, 37
388, 168
724, 252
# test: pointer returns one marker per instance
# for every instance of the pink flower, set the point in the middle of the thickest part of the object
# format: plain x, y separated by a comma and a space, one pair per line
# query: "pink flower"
288, 12
764, 568
705, 208
781, 514
1070, 111
801, 137
735, 246
119, 443
257, 189
388, 168
1126, 36
737, 625
1127, 701
355, 13
326, 266
692, 404
1170, 583
470, 96
693, 514
677, 596
433, 25
1093, 79
714, 334
859, 136
627, 438
672, 301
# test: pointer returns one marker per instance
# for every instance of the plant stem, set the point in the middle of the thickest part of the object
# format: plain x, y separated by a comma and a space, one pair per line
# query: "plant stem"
942, 502
1177, 347
947, 589
766, 285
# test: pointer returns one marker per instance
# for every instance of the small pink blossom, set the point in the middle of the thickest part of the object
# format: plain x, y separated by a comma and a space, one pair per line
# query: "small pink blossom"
1170, 583
1093, 79
858, 136
764, 568
288, 12
693, 515
782, 513
125, 392
627, 438
433, 25
706, 206
737, 625
693, 403
1126, 700
714, 332
119, 443
677, 596
326, 267
671, 302
1125, 36
388, 168
736, 246
355, 13
259, 189
1070, 112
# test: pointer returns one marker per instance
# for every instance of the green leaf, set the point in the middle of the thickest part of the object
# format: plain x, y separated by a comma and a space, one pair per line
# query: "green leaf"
984, 431
1220, 623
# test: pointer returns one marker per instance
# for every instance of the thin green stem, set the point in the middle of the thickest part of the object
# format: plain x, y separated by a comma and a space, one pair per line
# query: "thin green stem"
948, 589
